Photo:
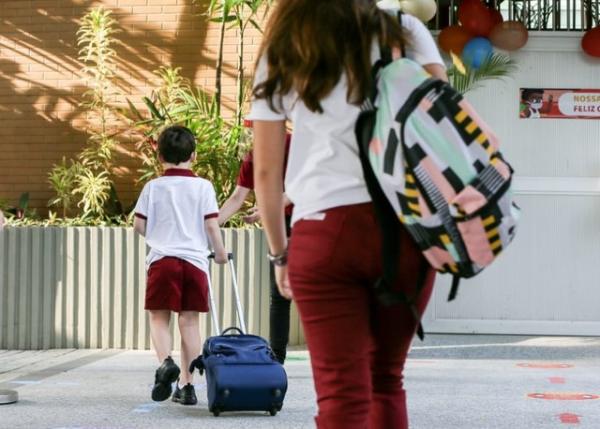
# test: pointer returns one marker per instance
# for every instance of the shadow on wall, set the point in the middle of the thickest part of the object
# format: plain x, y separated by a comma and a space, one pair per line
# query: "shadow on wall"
41, 84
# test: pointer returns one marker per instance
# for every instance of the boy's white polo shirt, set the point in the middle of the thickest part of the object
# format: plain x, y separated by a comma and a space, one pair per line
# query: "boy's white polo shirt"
175, 207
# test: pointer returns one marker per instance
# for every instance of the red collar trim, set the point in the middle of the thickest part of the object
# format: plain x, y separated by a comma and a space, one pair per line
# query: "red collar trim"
179, 172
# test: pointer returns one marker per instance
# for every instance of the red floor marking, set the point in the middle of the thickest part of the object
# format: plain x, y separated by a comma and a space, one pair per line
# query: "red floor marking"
563, 396
557, 380
569, 418
545, 365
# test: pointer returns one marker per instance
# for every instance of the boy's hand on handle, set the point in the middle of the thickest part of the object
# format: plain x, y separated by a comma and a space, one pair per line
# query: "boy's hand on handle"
283, 282
221, 257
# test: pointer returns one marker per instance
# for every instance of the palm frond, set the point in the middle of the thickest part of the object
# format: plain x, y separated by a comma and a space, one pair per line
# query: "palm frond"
497, 66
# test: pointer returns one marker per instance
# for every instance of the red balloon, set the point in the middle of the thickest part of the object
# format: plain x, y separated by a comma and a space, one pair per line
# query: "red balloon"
454, 38
591, 42
475, 17
496, 16
509, 35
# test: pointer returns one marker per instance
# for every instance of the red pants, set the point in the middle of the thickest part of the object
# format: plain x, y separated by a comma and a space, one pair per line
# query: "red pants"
357, 346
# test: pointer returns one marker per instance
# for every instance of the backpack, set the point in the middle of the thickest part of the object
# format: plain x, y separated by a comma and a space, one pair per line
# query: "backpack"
432, 163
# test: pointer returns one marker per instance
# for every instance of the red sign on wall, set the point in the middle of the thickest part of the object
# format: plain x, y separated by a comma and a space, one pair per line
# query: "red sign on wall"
539, 103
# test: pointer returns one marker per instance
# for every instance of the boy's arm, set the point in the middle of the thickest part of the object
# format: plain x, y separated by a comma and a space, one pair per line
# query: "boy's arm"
214, 235
233, 203
139, 225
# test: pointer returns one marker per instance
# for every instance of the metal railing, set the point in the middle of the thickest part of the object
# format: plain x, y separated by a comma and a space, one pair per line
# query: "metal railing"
537, 15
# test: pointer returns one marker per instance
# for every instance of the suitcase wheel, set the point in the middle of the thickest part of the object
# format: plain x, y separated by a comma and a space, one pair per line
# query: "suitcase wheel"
273, 411
215, 411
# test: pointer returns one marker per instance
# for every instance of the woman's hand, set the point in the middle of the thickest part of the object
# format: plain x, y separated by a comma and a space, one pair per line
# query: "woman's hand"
253, 216
283, 282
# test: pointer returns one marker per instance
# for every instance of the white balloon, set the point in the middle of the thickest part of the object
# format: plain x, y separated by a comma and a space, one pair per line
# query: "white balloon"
388, 4
422, 9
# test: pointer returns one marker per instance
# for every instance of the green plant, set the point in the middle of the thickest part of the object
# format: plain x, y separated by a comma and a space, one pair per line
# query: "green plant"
497, 66
87, 180
95, 38
19, 212
63, 179
240, 13
220, 143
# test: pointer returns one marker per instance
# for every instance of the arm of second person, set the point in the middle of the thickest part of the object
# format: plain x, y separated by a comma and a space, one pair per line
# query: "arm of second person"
233, 203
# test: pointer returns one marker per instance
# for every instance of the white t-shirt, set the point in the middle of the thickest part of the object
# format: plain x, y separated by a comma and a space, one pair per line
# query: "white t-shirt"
324, 169
175, 207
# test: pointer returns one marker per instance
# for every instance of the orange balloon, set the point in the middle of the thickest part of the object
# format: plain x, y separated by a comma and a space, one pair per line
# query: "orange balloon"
509, 35
591, 42
475, 17
454, 38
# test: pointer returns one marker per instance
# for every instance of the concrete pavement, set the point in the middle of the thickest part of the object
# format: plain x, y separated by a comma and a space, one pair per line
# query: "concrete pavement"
454, 381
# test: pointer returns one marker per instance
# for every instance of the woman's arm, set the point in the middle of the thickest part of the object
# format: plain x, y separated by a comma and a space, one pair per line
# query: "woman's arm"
233, 203
437, 70
269, 155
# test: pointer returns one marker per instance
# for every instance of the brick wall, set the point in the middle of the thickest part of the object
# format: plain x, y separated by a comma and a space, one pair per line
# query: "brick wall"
41, 81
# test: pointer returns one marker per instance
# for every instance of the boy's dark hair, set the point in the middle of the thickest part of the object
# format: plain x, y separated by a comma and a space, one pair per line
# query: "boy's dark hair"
176, 144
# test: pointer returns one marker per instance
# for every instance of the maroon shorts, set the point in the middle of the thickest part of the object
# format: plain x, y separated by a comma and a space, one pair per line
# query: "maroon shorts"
176, 285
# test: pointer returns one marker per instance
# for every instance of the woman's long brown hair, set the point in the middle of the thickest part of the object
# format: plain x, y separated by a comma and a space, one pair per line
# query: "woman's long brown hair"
310, 43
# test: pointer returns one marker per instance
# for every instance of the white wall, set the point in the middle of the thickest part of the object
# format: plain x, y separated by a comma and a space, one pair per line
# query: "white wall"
548, 281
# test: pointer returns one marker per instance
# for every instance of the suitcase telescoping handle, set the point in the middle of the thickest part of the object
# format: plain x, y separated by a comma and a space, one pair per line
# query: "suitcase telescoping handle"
238, 303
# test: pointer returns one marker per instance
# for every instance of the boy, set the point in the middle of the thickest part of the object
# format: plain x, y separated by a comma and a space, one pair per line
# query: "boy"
177, 213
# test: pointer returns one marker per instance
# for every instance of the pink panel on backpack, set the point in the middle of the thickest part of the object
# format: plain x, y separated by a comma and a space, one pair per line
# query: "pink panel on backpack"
375, 146
469, 200
502, 169
475, 238
425, 104
438, 257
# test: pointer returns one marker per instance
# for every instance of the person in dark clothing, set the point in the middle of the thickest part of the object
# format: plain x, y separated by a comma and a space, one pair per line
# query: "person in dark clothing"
279, 308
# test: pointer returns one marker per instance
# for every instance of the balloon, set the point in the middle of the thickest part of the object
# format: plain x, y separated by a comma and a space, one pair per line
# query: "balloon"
476, 51
422, 9
496, 16
475, 17
591, 42
509, 35
454, 38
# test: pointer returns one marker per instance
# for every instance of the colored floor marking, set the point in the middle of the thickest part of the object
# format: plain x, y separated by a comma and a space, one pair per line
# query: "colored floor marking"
145, 408
569, 418
296, 358
557, 380
545, 365
563, 396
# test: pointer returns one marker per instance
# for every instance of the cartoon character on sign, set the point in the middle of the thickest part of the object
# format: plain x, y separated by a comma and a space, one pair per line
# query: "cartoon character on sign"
533, 105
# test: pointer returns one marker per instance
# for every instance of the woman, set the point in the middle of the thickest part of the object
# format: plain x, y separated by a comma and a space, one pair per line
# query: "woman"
314, 70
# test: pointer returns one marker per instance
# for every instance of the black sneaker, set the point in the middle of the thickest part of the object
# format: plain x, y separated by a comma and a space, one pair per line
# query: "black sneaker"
164, 376
186, 395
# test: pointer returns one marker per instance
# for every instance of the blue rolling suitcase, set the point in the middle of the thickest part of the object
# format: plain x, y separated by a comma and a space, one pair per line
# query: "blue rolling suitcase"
241, 371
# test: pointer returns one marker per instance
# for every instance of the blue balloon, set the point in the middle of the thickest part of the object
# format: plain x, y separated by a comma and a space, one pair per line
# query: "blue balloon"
476, 51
